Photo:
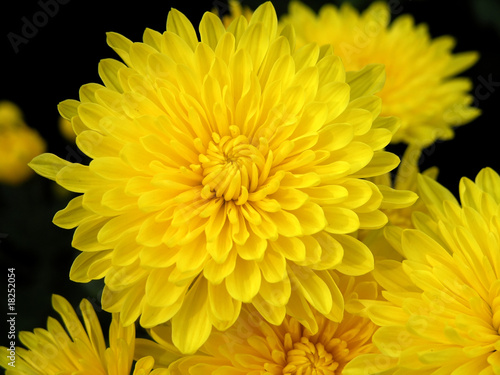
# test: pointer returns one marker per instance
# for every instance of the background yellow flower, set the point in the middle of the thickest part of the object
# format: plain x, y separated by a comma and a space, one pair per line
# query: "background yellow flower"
18, 145
254, 345
76, 348
442, 309
420, 87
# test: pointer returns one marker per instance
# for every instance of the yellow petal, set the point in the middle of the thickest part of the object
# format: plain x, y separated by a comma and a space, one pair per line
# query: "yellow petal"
372, 220
244, 282
300, 309
73, 215
68, 108
332, 251
311, 217
153, 316
381, 162
70, 319
191, 325
341, 220
79, 268
395, 199
273, 266
272, 314
217, 272
162, 293
93, 326
116, 227
144, 366
161, 353
108, 71
291, 248
48, 165
78, 178
120, 45
211, 29
433, 194
85, 237
311, 286
337, 311
366, 81
287, 223
276, 293
224, 310
358, 259
179, 24
254, 248
255, 42
266, 14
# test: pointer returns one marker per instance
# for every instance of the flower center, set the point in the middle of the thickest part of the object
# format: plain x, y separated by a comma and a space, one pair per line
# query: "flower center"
230, 168
308, 358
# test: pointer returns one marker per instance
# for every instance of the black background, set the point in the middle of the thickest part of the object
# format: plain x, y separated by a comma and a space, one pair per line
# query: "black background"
63, 55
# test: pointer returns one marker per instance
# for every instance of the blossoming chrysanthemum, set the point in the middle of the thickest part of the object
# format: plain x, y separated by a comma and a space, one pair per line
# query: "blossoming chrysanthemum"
18, 145
253, 346
442, 314
225, 170
83, 351
421, 88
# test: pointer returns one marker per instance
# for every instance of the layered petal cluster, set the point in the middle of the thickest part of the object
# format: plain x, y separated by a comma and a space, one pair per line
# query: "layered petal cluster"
226, 170
405, 179
421, 88
76, 348
18, 145
442, 314
253, 346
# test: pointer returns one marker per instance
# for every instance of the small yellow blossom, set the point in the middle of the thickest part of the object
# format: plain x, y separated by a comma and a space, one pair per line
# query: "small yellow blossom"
18, 145
76, 348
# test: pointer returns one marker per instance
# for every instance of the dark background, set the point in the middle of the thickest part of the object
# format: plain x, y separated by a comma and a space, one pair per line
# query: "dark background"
63, 55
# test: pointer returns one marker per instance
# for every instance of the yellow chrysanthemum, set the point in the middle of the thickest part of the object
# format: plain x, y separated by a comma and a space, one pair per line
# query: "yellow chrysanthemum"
253, 346
83, 351
443, 310
18, 145
225, 170
420, 87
